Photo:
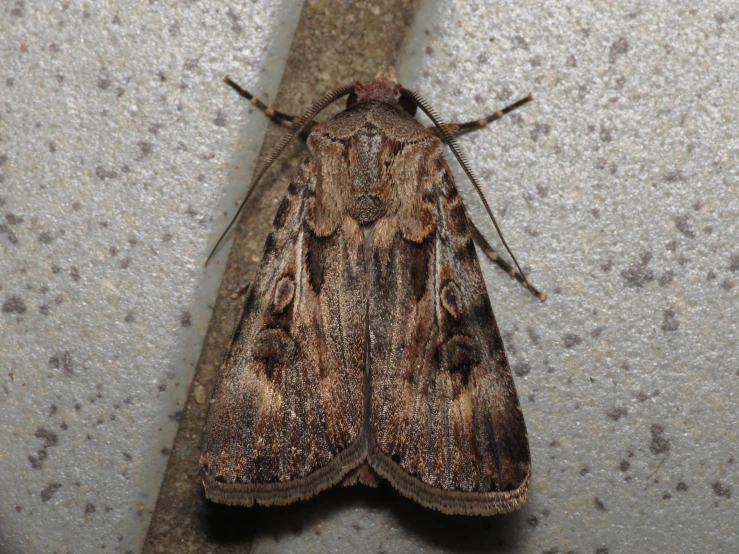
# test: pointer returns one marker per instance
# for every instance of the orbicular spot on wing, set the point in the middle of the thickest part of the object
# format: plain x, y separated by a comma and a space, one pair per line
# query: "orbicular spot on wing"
451, 299
273, 347
458, 355
284, 294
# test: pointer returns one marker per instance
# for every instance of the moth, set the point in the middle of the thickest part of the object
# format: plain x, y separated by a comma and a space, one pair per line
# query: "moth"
367, 347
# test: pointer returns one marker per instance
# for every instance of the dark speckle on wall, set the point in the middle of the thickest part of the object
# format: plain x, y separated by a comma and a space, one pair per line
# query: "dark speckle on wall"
660, 444
186, 319
540, 130
14, 305
617, 413
45, 237
666, 278
721, 489
104, 174
638, 274
682, 223
63, 361
49, 491
13, 219
522, 368
618, 49
670, 321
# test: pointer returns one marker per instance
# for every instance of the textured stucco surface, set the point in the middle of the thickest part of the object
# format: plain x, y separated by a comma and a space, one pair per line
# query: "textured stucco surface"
617, 190
116, 155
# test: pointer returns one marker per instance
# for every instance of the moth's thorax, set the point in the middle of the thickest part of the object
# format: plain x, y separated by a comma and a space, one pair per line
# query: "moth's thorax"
388, 116
369, 193
362, 157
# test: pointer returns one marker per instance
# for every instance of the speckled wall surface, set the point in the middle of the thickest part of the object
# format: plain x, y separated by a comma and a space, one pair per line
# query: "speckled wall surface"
115, 157
617, 189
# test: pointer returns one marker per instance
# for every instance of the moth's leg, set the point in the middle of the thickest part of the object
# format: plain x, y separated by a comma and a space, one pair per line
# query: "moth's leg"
275, 115
456, 129
504, 265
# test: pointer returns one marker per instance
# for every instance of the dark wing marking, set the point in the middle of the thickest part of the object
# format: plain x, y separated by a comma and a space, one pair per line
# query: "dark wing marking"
285, 421
445, 425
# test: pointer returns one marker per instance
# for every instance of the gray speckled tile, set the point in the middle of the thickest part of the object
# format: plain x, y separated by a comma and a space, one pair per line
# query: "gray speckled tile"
115, 158
617, 189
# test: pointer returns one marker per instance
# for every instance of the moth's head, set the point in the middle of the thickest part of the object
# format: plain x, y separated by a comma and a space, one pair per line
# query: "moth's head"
383, 88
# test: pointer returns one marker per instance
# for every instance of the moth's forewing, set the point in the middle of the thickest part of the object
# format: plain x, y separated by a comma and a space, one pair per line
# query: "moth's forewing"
285, 421
446, 428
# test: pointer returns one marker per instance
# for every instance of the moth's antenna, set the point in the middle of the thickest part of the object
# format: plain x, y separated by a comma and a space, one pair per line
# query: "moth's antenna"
298, 126
449, 140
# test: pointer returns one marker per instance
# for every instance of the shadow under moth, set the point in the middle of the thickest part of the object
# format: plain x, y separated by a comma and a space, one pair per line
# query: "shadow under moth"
367, 347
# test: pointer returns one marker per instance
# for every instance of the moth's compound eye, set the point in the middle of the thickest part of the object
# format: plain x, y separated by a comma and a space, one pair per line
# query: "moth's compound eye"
407, 103
351, 100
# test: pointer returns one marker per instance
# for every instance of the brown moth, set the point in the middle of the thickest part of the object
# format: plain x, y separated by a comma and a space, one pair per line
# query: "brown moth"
367, 345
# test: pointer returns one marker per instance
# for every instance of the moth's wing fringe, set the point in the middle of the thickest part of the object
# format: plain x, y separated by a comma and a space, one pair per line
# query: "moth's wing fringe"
447, 502
286, 492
